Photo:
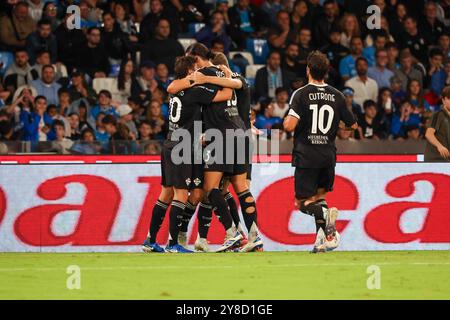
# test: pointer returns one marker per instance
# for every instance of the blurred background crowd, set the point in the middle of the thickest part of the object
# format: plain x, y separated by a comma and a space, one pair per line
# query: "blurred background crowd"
102, 88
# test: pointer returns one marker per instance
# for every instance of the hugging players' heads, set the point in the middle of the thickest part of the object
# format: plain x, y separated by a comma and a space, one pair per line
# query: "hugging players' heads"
184, 66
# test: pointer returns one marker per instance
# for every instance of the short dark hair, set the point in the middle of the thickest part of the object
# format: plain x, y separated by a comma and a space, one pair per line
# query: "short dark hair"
318, 65
47, 66
361, 59
183, 65
43, 22
369, 103
220, 58
446, 92
5, 127
200, 50
105, 92
435, 52
57, 123
109, 119
40, 97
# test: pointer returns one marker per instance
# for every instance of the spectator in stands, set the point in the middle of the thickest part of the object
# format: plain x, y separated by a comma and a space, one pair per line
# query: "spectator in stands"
104, 105
380, 40
364, 87
370, 126
87, 144
398, 94
61, 144
50, 13
397, 20
145, 131
53, 112
47, 85
64, 101
119, 136
305, 48
126, 117
215, 30
147, 82
115, 40
69, 41
92, 56
414, 40
162, 48
6, 131
385, 109
444, 44
326, 23
379, 72
350, 29
74, 121
156, 119
245, 20
347, 66
37, 124
435, 65
300, 18
430, 25
407, 70
352, 106
441, 78
281, 103
88, 14
42, 59
281, 34
35, 9
393, 53
15, 29
124, 20
266, 119
271, 8
162, 76
79, 88
20, 73
402, 119
271, 77
100, 132
290, 60
415, 96
149, 23
42, 40
127, 83
413, 132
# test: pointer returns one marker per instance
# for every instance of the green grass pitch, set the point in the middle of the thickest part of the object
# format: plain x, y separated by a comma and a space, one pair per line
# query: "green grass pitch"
266, 275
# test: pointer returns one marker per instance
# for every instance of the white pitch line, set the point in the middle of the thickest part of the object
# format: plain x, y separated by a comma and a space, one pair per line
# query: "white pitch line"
229, 266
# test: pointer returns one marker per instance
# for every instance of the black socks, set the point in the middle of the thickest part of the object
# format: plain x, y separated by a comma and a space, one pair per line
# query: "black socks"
159, 212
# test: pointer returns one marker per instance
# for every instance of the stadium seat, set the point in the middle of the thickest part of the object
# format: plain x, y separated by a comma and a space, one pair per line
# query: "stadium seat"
259, 49
246, 55
250, 71
186, 42
193, 28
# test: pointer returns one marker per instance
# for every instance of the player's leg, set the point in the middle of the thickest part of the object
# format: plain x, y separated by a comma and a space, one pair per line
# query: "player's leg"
204, 217
195, 196
214, 195
158, 214
249, 212
176, 214
231, 204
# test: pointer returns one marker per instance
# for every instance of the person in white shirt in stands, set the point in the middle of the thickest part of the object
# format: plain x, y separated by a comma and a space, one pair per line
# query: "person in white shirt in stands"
364, 87
281, 103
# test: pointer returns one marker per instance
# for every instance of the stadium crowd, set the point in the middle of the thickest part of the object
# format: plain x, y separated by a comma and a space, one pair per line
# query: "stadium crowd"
102, 88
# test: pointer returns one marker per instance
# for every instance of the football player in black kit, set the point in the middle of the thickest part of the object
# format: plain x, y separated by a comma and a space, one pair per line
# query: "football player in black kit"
223, 117
243, 96
316, 112
179, 176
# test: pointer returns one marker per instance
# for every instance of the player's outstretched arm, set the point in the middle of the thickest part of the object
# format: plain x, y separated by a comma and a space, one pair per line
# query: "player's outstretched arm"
223, 95
431, 137
200, 78
179, 85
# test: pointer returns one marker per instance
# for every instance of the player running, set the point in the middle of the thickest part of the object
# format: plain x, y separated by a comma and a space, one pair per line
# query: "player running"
178, 179
315, 114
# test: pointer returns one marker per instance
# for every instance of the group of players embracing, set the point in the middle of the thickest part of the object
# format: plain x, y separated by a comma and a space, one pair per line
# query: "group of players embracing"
207, 149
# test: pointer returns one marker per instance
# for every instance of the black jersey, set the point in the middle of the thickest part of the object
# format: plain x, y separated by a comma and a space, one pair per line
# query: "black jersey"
243, 96
185, 108
319, 108
221, 115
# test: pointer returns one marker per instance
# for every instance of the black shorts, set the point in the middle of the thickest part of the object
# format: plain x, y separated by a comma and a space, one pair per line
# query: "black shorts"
309, 180
239, 163
180, 176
